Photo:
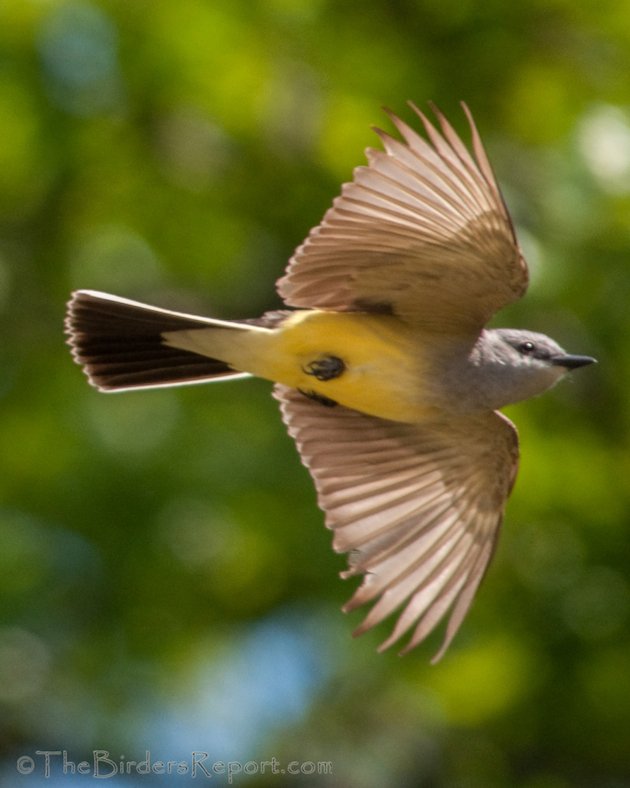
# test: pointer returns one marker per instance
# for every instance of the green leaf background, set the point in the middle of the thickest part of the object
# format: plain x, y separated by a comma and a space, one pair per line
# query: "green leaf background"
166, 581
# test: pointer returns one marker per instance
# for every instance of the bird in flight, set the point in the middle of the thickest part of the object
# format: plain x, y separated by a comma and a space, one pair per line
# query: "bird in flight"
386, 376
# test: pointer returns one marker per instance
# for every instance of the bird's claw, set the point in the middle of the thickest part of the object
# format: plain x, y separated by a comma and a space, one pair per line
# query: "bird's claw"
325, 368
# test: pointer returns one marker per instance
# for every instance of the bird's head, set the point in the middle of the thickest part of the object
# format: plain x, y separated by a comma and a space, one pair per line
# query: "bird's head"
522, 364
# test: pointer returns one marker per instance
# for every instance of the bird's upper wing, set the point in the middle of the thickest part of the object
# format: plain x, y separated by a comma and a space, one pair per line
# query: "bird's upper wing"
422, 231
418, 507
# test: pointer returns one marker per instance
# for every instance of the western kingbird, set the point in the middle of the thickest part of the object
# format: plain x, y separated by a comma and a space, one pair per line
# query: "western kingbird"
385, 374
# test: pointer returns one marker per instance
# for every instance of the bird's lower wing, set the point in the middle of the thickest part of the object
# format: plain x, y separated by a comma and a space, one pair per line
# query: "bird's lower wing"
417, 507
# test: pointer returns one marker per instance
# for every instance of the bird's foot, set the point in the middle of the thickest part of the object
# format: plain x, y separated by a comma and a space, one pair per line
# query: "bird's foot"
320, 398
325, 368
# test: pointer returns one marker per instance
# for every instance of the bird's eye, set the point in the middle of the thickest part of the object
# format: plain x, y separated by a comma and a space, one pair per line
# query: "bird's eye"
526, 348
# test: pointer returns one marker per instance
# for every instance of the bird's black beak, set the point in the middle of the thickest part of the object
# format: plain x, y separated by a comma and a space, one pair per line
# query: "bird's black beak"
572, 362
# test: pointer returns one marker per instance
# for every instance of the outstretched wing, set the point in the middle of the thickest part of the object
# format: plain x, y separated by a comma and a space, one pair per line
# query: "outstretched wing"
422, 231
418, 507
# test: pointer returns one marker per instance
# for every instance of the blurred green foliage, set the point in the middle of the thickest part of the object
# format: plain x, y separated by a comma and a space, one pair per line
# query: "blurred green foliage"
166, 582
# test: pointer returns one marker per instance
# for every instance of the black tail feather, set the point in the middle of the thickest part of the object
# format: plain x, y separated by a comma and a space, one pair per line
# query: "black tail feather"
119, 344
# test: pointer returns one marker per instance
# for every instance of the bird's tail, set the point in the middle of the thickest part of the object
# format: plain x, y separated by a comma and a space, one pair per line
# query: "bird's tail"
120, 344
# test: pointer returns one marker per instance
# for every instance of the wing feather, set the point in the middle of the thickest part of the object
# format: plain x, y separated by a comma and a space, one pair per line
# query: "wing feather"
417, 507
423, 228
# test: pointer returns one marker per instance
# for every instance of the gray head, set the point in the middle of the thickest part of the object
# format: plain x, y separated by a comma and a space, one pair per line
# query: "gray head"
516, 365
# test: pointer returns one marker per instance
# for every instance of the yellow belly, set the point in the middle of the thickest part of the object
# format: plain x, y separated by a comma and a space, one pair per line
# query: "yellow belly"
383, 363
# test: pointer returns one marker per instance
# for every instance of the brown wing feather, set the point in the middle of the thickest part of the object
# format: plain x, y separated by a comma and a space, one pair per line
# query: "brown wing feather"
418, 507
422, 230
